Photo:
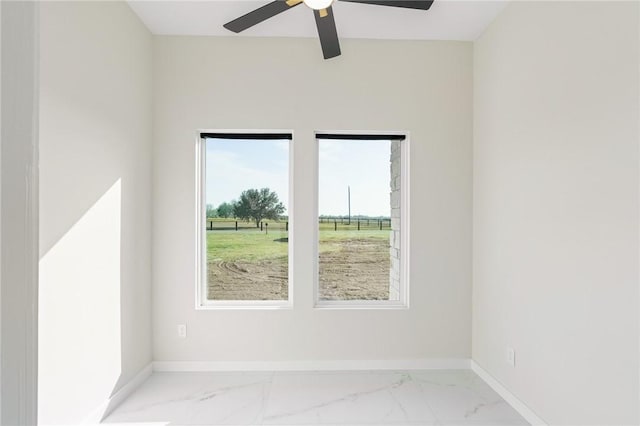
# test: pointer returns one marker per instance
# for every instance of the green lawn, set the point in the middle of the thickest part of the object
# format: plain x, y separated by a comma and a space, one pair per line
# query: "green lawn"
331, 235
247, 245
253, 245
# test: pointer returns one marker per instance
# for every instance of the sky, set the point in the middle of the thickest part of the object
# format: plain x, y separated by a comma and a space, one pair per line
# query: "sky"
361, 165
234, 166
237, 165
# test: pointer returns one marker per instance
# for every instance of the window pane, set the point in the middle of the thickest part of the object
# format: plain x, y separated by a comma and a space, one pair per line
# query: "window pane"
246, 192
359, 223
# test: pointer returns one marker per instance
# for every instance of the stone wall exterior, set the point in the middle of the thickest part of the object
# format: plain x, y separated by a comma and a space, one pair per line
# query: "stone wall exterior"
394, 237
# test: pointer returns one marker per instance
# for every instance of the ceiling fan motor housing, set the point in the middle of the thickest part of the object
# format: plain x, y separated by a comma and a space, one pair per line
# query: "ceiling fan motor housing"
318, 4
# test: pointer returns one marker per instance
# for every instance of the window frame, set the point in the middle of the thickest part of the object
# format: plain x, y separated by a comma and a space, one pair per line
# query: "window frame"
201, 300
403, 300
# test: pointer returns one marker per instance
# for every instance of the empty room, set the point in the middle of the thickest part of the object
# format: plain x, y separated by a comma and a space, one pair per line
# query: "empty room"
320, 212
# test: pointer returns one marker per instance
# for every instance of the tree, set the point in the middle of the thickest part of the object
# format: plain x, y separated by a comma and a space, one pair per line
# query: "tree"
211, 212
259, 204
225, 210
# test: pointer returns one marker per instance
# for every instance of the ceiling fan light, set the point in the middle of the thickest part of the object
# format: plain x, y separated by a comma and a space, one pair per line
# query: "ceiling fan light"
318, 4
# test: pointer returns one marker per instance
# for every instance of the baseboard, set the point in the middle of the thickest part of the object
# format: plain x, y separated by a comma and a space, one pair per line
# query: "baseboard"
333, 365
513, 400
117, 398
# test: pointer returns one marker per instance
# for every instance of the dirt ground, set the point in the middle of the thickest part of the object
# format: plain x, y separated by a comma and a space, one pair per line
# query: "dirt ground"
355, 269
264, 280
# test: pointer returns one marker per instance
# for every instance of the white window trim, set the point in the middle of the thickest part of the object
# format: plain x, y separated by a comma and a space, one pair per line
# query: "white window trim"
403, 302
201, 301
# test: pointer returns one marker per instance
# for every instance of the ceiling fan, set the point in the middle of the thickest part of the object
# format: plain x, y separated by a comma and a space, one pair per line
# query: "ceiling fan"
324, 17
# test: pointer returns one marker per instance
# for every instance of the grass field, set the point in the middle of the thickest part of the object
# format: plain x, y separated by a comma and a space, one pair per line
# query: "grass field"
248, 245
250, 264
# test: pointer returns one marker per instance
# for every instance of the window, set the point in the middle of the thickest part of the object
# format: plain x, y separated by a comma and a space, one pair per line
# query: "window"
362, 220
243, 219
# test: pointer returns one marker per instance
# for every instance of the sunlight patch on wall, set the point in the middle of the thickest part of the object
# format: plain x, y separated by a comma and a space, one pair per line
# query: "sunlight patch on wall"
79, 313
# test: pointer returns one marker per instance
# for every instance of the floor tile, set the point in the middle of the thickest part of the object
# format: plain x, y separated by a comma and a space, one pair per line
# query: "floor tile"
461, 397
410, 398
346, 398
196, 399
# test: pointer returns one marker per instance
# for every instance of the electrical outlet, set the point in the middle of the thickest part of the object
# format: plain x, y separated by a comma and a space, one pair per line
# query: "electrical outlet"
511, 357
182, 331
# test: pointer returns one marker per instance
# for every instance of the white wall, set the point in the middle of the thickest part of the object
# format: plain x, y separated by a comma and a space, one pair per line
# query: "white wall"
247, 83
95, 331
556, 208
19, 212
1, 356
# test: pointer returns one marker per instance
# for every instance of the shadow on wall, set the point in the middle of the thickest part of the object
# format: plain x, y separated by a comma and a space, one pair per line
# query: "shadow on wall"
79, 314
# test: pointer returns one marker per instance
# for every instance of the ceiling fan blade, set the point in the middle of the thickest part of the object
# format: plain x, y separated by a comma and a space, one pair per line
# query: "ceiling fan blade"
261, 14
327, 32
408, 4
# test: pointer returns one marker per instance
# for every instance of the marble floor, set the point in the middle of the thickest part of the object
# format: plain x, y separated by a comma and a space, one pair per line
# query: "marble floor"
427, 397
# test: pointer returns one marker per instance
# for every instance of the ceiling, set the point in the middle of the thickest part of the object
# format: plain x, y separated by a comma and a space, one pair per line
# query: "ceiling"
446, 20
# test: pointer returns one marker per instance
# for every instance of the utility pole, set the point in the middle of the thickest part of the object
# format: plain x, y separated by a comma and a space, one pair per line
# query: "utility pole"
349, 196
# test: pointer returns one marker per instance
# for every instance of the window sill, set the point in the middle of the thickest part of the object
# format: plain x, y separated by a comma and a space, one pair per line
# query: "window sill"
244, 305
361, 305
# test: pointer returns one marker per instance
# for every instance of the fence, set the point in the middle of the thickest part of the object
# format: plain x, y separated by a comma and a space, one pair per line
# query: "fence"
239, 225
353, 224
324, 223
